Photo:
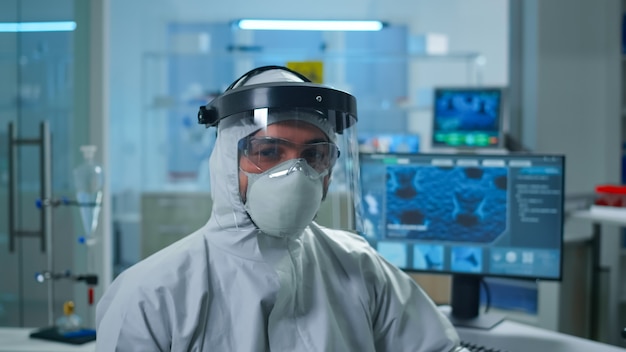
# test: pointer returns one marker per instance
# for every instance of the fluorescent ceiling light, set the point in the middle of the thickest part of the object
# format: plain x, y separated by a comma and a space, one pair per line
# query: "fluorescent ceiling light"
62, 26
311, 25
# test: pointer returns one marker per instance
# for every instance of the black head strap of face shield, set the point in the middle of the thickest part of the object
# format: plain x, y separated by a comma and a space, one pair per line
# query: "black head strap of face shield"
280, 95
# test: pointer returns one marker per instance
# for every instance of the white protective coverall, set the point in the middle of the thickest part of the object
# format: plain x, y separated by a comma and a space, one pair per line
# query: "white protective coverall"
230, 287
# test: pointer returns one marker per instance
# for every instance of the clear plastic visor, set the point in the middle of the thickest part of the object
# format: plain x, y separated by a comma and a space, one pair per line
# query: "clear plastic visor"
276, 136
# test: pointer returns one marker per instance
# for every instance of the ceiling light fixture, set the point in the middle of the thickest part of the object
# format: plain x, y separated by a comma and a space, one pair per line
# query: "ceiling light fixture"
60, 26
310, 25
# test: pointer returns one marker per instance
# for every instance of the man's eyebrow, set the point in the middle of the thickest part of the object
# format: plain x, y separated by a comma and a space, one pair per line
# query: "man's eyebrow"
317, 140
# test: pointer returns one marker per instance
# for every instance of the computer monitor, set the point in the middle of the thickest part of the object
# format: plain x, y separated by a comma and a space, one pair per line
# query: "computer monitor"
469, 215
468, 118
388, 142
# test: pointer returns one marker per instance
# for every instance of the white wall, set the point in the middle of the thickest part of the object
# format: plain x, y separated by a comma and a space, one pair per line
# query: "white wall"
570, 104
571, 91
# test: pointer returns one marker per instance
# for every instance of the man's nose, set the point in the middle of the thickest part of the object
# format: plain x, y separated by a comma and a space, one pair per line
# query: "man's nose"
293, 153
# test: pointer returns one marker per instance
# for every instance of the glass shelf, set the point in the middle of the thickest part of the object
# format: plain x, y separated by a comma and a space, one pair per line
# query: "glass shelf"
360, 56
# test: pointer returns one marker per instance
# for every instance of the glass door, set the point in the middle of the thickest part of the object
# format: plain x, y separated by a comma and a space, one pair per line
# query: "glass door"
37, 231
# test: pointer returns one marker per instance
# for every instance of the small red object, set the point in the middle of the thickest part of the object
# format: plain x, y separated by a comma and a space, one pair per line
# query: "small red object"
611, 195
90, 295
611, 189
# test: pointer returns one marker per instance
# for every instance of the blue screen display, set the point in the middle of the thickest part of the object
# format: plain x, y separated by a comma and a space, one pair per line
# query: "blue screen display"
467, 117
388, 142
494, 215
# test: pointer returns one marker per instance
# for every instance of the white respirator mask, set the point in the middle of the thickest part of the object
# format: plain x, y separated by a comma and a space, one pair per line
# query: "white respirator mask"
284, 200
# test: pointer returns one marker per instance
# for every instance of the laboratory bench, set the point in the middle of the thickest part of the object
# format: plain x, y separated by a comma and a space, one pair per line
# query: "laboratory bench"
507, 336
19, 340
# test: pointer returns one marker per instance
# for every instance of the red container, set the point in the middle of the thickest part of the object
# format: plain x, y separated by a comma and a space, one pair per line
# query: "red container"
611, 195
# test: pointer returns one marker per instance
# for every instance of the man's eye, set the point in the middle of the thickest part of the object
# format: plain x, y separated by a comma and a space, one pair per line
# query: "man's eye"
313, 153
268, 152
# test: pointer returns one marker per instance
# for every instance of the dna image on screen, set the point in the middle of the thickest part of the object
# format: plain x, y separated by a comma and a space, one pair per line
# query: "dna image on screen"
446, 203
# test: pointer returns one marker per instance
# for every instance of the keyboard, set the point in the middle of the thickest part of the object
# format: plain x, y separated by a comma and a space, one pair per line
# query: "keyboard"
473, 347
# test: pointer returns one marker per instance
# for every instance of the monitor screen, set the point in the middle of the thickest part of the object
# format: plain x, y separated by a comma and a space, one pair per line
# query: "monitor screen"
467, 118
468, 215
388, 142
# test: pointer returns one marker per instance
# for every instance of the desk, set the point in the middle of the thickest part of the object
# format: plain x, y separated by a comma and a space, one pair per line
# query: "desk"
605, 249
517, 337
18, 340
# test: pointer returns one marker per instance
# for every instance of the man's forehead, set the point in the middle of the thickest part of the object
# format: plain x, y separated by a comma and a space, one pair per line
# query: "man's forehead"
296, 116
293, 130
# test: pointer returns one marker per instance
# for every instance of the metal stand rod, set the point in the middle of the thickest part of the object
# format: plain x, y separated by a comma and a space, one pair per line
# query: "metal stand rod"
596, 270
46, 212
14, 204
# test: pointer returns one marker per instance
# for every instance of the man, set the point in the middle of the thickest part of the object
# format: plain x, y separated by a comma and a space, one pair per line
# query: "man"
261, 275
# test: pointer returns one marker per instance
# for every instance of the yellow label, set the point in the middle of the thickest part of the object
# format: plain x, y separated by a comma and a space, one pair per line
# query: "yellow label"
68, 308
313, 70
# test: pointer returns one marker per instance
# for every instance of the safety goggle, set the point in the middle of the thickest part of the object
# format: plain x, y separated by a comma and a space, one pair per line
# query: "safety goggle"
267, 152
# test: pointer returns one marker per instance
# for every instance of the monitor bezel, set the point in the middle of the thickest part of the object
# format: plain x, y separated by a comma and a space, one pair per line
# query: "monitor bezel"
435, 146
490, 156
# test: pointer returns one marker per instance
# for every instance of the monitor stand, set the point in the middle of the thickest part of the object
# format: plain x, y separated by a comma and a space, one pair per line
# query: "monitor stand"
465, 304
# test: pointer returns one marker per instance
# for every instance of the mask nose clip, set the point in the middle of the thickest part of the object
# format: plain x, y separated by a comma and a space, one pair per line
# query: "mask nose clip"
298, 165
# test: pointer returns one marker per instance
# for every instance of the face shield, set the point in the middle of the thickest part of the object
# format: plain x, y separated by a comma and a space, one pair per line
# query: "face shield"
279, 128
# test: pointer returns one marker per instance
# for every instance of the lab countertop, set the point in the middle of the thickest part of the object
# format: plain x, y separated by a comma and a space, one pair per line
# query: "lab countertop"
512, 336
508, 335
18, 340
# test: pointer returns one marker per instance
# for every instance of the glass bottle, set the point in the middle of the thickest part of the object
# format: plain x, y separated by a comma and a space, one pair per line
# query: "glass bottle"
89, 181
69, 321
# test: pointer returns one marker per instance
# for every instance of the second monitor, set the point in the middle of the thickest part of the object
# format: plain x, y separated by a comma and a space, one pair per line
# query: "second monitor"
468, 118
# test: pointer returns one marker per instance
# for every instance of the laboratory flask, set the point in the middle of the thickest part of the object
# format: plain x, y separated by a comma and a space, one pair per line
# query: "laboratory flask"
89, 181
